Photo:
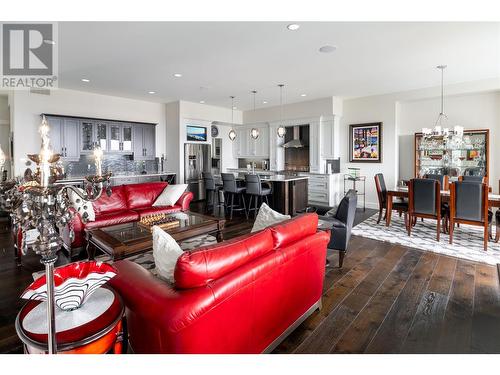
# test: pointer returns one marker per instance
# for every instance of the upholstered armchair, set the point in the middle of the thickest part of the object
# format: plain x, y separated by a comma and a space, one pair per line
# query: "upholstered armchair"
342, 221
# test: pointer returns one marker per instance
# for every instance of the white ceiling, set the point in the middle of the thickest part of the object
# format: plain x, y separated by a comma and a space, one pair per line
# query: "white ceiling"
220, 59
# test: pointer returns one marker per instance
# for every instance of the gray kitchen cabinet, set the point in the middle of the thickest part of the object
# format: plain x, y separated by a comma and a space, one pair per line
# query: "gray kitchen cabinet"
94, 133
88, 137
120, 137
144, 142
150, 142
127, 138
71, 136
65, 137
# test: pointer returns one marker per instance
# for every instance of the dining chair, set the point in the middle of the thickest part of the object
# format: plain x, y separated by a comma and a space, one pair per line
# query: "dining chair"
442, 178
399, 206
469, 205
256, 190
231, 189
479, 179
424, 196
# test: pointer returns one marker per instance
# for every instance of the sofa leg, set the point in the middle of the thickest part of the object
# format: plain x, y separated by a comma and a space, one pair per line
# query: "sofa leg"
341, 258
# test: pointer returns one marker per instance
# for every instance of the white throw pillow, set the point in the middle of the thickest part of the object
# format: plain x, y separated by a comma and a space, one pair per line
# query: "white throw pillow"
166, 251
170, 195
82, 206
267, 217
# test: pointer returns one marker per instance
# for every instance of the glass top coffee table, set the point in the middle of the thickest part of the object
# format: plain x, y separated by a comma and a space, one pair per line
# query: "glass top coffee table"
124, 240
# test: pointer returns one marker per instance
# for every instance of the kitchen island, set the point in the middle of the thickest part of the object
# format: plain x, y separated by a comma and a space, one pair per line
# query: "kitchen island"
289, 193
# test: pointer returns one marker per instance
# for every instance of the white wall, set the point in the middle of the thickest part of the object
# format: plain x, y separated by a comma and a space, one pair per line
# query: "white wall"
472, 111
5, 129
28, 107
365, 110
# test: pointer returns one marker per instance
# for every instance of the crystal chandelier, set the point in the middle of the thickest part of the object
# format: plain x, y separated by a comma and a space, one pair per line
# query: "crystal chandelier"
441, 128
37, 203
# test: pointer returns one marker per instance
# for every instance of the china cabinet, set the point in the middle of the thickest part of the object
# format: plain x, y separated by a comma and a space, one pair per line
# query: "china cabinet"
467, 155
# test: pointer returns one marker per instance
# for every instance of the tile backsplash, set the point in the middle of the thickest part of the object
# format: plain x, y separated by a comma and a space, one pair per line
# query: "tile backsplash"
117, 164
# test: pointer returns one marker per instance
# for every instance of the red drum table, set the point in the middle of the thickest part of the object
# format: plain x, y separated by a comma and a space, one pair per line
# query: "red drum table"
97, 327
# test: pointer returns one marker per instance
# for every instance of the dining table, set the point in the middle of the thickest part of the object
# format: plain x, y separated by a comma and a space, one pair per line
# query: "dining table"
402, 192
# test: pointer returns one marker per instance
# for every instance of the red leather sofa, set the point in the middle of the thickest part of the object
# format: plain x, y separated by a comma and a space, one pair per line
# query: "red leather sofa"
127, 203
244, 295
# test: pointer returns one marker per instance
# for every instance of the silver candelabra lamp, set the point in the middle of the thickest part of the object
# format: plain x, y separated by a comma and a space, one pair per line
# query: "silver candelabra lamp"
37, 203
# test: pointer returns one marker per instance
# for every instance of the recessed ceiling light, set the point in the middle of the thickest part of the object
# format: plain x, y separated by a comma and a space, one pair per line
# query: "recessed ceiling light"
202, 102
49, 41
85, 80
151, 92
264, 102
177, 75
303, 94
327, 49
235, 107
293, 26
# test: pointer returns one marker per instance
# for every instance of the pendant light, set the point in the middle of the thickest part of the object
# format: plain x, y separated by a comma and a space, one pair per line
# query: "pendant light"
441, 125
254, 133
281, 129
232, 133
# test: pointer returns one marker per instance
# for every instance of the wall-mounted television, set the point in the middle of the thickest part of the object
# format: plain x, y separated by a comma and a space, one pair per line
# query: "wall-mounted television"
196, 133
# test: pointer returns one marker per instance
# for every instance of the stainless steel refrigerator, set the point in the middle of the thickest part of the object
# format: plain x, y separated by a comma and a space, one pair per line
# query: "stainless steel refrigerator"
197, 159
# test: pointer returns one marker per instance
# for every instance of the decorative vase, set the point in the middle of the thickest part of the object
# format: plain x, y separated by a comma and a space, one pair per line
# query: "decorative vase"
73, 283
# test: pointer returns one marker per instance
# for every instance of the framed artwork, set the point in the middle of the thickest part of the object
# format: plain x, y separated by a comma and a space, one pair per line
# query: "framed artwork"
365, 143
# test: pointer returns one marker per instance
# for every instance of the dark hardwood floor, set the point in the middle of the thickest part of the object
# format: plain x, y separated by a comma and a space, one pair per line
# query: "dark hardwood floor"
385, 299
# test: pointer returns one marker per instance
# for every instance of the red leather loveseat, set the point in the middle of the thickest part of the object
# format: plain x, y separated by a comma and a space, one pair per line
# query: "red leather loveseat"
244, 295
127, 203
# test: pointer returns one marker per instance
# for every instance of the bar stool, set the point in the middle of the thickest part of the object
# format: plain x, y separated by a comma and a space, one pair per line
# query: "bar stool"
212, 191
255, 189
230, 190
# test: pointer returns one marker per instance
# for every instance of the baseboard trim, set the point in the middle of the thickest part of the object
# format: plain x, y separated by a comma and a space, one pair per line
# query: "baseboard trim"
292, 327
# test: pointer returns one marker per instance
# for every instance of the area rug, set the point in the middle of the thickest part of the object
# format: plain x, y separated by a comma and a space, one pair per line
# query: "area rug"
467, 239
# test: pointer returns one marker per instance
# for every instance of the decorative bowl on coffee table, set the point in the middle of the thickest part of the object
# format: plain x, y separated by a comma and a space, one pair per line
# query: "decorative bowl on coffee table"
73, 283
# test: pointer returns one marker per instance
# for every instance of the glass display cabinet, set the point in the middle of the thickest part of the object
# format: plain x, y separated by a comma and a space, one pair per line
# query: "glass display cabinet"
453, 156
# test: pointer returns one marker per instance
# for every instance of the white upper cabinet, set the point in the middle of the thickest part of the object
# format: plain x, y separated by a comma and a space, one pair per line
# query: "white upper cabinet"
261, 144
245, 146
330, 138
315, 160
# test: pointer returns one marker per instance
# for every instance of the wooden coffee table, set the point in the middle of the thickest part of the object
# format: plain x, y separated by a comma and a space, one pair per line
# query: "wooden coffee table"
124, 240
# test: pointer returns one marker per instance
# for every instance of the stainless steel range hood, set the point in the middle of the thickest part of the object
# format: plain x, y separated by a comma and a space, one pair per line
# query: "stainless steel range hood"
295, 142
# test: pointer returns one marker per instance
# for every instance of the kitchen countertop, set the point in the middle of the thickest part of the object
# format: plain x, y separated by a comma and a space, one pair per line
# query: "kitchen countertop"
81, 178
283, 178
257, 171
277, 178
